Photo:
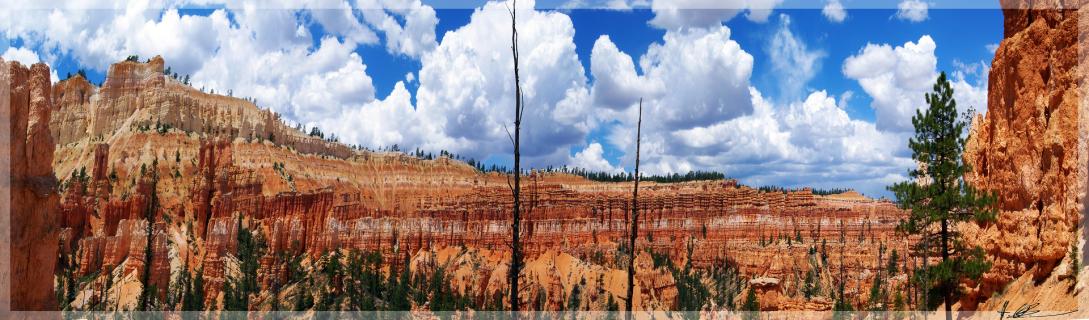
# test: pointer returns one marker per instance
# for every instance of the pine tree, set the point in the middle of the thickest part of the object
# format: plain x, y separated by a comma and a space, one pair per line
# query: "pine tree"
150, 209
178, 289
939, 197
69, 267
194, 296
231, 301
250, 248
898, 302
692, 294
894, 258
841, 307
275, 296
574, 300
303, 300
612, 307
824, 251
809, 289
751, 305
877, 295
1075, 265
400, 299
327, 301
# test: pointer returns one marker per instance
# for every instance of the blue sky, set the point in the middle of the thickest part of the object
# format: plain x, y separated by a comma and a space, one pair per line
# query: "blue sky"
792, 96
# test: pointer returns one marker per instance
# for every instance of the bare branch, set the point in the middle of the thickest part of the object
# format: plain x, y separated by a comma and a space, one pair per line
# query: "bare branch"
522, 107
509, 136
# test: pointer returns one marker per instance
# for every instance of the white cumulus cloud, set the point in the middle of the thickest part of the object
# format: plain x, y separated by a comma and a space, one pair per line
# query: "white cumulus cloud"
467, 86
707, 74
680, 14
27, 58
305, 83
730, 126
970, 95
592, 158
898, 78
414, 37
23, 55
791, 60
616, 84
338, 18
385, 122
810, 142
693, 78
619, 5
912, 10
834, 11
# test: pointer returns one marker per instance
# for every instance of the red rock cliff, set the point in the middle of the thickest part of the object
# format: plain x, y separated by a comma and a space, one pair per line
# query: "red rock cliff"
33, 199
1031, 146
307, 196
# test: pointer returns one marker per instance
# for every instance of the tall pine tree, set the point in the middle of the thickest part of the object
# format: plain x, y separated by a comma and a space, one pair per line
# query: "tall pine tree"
938, 197
147, 294
751, 305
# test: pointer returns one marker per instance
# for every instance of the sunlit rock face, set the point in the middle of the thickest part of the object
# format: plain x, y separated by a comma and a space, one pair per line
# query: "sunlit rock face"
33, 202
1031, 146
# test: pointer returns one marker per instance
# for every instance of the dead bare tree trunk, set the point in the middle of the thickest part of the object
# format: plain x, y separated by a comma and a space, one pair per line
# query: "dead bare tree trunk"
516, 245
634, 215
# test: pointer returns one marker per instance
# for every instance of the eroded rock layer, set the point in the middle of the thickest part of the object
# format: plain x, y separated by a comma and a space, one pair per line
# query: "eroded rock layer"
200, 166
1030, 147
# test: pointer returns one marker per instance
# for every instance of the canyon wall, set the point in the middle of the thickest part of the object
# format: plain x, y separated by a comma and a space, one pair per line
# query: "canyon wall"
1031, 146
31, 186
216, 163
567, 216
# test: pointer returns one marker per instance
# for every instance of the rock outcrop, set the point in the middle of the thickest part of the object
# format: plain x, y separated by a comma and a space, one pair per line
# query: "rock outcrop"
1031, 146
30, 185
139, 97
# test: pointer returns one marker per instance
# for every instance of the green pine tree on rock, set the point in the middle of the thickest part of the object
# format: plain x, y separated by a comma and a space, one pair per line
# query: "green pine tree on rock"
751, 306
939, 198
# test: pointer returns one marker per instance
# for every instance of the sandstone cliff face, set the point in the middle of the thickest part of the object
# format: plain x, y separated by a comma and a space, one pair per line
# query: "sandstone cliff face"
552, 279
71, 102
33, 199
307, 197
1031, 147
403, 213
137, 95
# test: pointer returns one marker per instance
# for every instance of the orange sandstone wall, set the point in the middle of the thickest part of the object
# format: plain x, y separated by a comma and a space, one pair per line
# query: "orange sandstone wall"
33, 199
307, 196
1030, 147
